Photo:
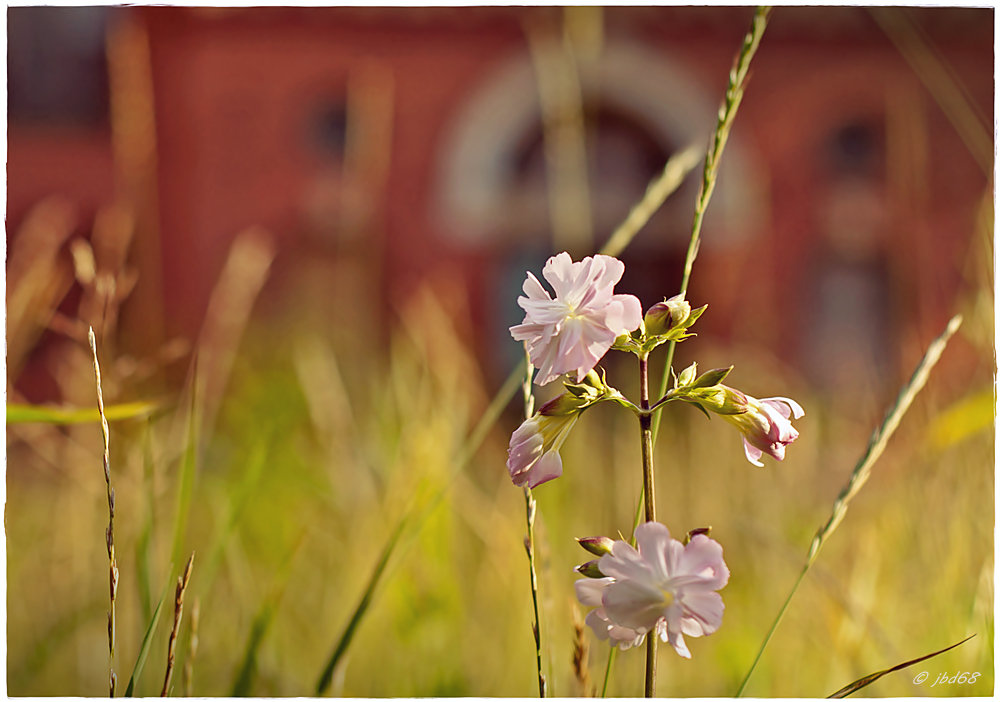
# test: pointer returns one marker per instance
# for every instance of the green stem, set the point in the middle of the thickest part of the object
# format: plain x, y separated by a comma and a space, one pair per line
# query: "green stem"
529, 544
529, 541
648, 488
770, 633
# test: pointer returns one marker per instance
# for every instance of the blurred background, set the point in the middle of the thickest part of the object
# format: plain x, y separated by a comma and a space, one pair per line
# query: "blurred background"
300, 233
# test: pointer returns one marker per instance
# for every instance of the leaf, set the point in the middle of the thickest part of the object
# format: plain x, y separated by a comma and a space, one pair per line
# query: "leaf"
869, 679
359, 611
140, 660
51, 414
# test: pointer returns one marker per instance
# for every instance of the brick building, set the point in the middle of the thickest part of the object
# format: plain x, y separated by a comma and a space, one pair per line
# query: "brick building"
382, 147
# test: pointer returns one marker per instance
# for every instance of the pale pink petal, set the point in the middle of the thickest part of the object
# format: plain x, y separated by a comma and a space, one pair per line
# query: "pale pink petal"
783, 405
533, 289
703, 557
702, 613
753, 453
623, 562
633, 604
675, 639
589, 590
547, 467
559, 271
612, 270
653, 540
599, 623
623, 314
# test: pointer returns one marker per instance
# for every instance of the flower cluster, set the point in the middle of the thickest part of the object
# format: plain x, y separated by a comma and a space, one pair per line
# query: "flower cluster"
662, 586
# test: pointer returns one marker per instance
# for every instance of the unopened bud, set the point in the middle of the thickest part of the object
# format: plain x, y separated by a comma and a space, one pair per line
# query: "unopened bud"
597, 545
664, 316
704, 531
720, 399
712, 377
562, 405
590, 569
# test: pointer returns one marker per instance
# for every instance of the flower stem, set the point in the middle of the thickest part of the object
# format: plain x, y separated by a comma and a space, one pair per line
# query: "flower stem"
646, 430
529, 540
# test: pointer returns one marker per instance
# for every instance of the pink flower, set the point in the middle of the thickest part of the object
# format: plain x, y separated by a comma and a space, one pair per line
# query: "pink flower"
533, 456
766, 426
573, 331
663, 587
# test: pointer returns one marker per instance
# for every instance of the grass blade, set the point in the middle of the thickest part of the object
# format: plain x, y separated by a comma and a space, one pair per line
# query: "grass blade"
727, 115
140, 659
239, 498
261, 623
869, 679
326, 677
188, 463
861, 472
659, 189
48, 414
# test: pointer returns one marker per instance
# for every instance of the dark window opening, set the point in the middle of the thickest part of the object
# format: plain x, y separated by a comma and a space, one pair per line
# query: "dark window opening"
57, 72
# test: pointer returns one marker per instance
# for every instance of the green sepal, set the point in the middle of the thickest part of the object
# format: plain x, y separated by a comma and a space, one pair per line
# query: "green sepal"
687, 376
712, 377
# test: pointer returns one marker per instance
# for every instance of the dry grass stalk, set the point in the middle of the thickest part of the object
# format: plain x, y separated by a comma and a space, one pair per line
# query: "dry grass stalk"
879, 438
109, 534
182, 583
192, 646
861, 473
581, 655
727, 114
659, 189
560, 97
941, 81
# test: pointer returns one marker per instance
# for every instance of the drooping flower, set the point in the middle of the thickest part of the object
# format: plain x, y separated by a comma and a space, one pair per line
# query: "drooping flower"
766, 426
533, 456
663, 587
574, 330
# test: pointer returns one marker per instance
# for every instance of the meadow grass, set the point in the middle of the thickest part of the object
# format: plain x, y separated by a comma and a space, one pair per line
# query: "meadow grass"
909, 572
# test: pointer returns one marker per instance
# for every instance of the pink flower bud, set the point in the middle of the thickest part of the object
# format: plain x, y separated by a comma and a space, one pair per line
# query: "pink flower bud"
664, 316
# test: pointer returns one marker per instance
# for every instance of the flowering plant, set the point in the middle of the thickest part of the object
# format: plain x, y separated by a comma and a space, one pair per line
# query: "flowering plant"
659, 588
